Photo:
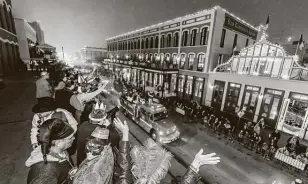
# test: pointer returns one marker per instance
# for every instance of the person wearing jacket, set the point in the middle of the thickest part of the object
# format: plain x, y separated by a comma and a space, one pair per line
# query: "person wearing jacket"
98, 117
49, 163
43, 112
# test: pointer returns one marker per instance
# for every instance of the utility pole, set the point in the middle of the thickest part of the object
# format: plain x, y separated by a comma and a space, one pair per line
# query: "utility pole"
63, 53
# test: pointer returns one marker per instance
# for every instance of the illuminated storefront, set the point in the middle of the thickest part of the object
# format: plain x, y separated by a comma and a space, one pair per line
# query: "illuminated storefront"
261, 81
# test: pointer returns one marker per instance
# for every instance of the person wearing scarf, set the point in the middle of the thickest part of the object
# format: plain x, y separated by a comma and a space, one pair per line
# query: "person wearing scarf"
98, 117
49, 163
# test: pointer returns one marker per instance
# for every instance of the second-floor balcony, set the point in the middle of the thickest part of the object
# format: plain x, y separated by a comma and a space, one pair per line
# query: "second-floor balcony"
146, 64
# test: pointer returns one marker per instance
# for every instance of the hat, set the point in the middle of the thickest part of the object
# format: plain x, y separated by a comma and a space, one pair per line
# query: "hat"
43, 73
98, 113
100, 133
45, 106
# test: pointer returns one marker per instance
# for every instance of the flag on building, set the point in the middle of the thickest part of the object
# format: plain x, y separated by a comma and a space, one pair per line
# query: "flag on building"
301, 42
267, 23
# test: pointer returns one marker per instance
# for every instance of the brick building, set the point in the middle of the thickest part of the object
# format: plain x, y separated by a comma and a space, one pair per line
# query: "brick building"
9, 49
179, 54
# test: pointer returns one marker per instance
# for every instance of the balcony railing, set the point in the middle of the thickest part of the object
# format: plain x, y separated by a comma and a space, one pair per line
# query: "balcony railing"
148, 65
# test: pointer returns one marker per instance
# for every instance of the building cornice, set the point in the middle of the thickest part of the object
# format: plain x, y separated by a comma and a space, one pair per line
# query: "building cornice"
180, 19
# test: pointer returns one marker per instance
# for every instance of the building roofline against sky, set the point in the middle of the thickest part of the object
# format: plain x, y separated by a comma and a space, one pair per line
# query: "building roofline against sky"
27, 23
188, 15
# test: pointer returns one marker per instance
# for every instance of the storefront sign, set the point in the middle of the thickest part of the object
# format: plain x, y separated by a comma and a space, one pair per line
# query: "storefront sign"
235, 25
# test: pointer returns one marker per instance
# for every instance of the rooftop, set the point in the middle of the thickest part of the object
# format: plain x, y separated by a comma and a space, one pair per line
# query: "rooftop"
178, 18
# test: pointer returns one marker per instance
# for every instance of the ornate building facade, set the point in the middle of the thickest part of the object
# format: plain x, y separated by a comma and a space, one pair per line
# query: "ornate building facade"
179, 53
9, 48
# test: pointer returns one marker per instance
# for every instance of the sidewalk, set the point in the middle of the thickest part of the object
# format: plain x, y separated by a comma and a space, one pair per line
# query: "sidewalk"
17, 99
209, 136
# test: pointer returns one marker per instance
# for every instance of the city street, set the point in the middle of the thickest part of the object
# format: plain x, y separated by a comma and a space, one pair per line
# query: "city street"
236, 166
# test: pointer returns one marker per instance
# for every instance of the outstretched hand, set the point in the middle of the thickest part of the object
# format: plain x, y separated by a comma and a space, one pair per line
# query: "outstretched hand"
207, 159
122, 127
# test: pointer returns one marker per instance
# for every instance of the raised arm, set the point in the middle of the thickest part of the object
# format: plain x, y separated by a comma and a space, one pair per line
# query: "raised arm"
123, 166
88, 96
191, 176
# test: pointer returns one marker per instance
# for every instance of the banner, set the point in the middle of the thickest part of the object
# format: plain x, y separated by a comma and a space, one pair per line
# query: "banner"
233, 24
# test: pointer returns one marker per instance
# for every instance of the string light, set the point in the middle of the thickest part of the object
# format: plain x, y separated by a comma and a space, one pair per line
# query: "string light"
185, 16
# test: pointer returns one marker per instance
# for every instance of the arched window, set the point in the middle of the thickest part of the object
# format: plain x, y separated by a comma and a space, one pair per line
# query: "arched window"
135, 44
142, 44
169, 40
193, 37
183, 59
162, 41
147, 43
176, 39
175, 58
167, 57
162, 57
138, 43
191, 59
204, 36
184, 38
132, 44
156, 41
152, 42
201, 62
151, 57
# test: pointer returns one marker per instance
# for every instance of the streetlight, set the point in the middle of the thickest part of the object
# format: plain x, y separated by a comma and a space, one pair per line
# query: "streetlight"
289, 39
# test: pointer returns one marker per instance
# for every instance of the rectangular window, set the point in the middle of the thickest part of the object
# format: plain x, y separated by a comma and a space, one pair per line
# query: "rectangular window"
147, 43
191, 61
247, 42
222, 40
184, 38
201, 62
203, 39
193, 37
235, 41
232, 97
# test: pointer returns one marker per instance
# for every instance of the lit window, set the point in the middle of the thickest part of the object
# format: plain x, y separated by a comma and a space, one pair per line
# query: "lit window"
201, 62
183, 58
191, 61
174, 59
168, 57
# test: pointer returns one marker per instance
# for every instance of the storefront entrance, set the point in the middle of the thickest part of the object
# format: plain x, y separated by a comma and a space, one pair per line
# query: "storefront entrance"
250, 101
270, 106
232, 97
218, 93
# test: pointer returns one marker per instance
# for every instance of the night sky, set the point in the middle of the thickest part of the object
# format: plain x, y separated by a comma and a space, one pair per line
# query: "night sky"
76, 23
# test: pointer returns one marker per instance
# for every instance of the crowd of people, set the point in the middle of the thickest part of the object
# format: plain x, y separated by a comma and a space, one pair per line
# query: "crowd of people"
72, 118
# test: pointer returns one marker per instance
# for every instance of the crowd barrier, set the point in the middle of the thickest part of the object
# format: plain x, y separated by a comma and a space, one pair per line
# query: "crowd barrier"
290, 161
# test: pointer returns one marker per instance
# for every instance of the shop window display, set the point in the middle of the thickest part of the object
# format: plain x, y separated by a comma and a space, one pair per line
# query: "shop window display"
250, 100
294, 115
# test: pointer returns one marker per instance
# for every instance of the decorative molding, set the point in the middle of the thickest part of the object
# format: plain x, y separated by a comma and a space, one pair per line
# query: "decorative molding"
8, 41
